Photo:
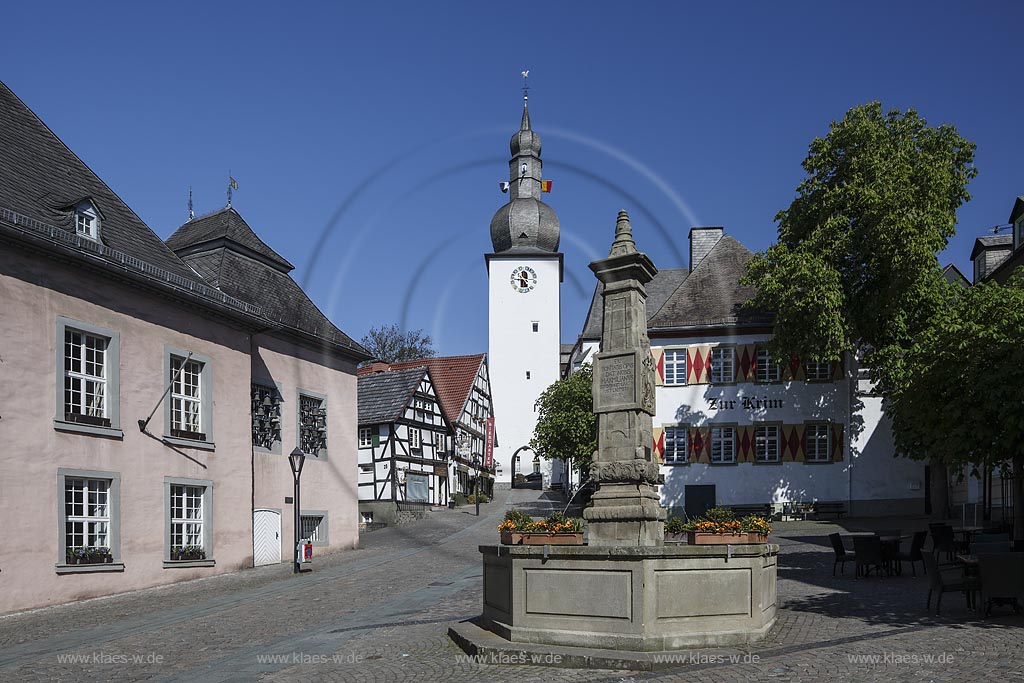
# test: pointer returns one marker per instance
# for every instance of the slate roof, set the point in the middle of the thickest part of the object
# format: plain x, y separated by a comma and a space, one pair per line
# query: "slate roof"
383, 396
273, 290
658, 291
223, 224
711, 295
992, 242
41, 179
955, 276
453, 378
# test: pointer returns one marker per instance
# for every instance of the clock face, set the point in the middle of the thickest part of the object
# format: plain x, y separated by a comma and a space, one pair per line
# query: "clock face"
524, 279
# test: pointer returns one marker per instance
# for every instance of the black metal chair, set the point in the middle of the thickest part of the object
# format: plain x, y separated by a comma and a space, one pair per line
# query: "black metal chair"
868, 552
1002, 579
842, 554
914, 554
943, 583
943, 540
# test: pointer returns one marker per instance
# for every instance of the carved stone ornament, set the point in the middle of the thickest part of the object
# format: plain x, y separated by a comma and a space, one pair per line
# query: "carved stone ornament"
624, 471
647, 386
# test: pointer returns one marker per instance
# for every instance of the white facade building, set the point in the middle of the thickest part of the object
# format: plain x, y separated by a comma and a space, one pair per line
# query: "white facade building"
734, 429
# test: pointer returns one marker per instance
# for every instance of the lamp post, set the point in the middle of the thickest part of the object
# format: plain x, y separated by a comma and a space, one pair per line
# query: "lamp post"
476, 487
297, 459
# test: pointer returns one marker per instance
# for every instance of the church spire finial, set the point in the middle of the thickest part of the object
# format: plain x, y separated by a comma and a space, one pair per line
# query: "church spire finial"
525, 123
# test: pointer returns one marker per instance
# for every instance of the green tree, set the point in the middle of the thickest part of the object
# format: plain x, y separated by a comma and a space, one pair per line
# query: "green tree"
392, 344
961, 402
856, 265
856, 268
566, 424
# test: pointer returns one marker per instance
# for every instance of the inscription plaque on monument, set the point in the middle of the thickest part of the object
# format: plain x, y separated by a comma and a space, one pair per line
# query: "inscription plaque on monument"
618, 383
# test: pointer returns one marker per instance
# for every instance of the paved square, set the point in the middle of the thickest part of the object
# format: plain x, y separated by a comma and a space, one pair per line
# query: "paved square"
381, 614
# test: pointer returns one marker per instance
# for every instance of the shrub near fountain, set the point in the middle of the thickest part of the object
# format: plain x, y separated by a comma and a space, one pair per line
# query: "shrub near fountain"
625, 590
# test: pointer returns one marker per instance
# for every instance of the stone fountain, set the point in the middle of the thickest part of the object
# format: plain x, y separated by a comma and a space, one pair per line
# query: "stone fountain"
626, 590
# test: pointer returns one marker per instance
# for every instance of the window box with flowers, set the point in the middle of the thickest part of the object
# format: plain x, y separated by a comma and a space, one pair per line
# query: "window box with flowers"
520, 529
187, 553
719, 526
88, 555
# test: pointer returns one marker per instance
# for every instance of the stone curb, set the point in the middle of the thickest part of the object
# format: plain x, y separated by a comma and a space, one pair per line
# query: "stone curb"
491, 649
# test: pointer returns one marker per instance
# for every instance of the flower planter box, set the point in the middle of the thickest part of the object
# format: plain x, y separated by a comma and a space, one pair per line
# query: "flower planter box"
540, 538
707, 538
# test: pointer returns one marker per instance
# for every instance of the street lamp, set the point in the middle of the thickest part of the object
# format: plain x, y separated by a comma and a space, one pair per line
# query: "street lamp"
476, 464
297, 459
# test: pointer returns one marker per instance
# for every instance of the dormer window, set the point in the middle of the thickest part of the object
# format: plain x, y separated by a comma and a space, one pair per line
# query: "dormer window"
87, 220
1018, 233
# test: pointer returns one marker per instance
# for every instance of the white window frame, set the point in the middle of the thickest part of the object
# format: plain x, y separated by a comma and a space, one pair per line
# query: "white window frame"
65, 420
819, 442
675, 367
767, 443
205, 521
719, 354
677, 445
365, 437
822, 371
767, 371
415, 438
112, 518
86, 218
204, 398
721, 437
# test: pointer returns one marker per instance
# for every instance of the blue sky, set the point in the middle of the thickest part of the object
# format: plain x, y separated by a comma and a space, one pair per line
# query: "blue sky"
368, 139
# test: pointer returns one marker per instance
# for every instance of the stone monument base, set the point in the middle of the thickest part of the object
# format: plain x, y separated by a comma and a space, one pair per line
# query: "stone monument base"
635, 599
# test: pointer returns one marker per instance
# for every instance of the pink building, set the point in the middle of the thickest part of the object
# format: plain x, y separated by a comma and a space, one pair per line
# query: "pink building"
154, 391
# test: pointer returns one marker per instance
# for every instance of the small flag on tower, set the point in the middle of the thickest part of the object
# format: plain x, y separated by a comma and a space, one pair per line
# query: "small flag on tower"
233, 183
545, 186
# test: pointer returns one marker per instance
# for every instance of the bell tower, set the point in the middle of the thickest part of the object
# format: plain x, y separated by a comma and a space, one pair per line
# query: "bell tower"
525, 276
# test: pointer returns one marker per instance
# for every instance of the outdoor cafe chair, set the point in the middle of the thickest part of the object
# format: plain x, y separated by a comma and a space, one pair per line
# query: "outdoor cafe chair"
868, 552
842, 554
914, 554
943, 540
1002, 578
940, 581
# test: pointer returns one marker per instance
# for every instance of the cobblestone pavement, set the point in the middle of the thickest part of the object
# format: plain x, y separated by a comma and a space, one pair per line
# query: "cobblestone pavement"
381, 614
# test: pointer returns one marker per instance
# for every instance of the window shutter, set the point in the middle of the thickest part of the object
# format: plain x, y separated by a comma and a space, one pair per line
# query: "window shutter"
837, 369
700, 444
800, 432
746, 363
658, 448
698, 364
745, 444
375, 440
837, 443
658, 354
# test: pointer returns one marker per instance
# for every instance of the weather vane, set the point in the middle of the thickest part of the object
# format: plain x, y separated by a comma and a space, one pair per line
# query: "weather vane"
526, 87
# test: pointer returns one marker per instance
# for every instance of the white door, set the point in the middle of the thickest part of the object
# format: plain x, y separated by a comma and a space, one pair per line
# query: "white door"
266, 537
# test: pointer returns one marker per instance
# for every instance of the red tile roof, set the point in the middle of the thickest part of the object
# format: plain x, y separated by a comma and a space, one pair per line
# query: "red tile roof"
453, 378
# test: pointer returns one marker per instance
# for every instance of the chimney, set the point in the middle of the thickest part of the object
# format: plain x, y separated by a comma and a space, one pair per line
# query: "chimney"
988, 253
377, 367
702, 240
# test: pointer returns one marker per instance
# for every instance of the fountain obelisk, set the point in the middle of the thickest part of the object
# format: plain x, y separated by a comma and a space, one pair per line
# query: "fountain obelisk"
626, 509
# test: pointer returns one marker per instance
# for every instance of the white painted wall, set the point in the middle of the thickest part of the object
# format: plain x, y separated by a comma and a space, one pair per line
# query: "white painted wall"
867, 472
515, 349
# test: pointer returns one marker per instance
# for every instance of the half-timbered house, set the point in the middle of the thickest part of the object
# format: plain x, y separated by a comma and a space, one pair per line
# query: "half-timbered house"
404, 445
464, 391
